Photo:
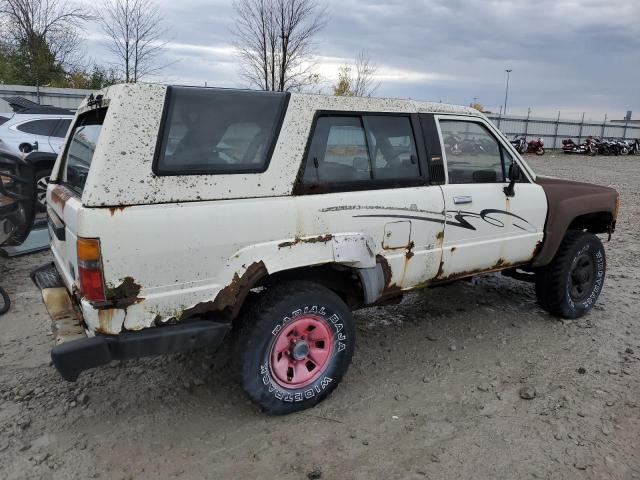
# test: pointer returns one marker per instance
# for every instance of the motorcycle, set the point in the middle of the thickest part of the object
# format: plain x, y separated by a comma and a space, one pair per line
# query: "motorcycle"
589, 147
520, 143
635, 147
536, 146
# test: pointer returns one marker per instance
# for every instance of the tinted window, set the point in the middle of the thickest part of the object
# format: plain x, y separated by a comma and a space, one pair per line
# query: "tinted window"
80, 149
38, 127
392, 147
473, 154
61, 129
338, 152
369, 148
3, 119
219, 131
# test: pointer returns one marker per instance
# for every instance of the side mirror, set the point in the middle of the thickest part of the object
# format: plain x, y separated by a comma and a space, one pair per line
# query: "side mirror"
514, 175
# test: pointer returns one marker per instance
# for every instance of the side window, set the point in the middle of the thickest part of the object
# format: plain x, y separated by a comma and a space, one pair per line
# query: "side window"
38, 127
338, 152
61, 129
473, 154
210, 130
392, 146
360, 149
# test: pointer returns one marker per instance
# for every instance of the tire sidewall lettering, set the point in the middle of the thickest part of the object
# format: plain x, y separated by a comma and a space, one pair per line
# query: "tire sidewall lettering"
599, 258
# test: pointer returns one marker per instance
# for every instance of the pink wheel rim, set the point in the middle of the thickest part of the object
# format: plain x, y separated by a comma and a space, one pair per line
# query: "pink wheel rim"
301, 351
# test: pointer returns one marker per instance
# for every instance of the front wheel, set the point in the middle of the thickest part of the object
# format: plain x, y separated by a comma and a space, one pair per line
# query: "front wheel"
571, 284
295, 344
540, 151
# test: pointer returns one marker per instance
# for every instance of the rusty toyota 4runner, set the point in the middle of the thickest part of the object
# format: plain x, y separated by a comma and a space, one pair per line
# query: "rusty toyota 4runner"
179, 214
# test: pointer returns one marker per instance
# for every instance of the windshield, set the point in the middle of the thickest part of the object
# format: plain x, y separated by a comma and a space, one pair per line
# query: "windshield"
80, 149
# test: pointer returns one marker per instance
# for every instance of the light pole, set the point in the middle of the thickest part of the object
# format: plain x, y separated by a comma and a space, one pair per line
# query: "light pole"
506, 92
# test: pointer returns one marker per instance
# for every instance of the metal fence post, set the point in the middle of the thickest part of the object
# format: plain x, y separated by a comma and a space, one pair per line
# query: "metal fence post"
580, 133
624, 134
555, 134
526, 122
604, 124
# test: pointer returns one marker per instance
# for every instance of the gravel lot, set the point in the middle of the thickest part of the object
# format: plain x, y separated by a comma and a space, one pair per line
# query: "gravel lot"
433, 391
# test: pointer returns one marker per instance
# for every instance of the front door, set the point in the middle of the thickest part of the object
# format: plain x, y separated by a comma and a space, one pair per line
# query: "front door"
485, 229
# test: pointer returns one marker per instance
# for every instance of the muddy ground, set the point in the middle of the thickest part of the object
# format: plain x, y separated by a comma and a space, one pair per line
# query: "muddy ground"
432, 392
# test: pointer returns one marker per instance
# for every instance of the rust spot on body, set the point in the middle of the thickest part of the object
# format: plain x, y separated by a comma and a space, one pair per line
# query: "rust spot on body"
386, 269
297, 240
536, 249
500, 263
231, 297
114, 210
60, 195
125, 294
104, 319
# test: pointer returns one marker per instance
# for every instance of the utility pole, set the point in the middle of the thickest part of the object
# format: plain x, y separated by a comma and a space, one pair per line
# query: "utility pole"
506, 92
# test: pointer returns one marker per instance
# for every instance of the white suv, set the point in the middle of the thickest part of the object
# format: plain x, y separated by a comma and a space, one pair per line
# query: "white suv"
178, 214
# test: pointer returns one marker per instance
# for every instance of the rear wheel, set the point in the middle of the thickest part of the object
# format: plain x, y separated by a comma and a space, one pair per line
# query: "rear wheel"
295, 344
571, 284
540, 151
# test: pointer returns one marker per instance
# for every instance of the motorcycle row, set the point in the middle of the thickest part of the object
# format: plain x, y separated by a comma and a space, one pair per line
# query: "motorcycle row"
593, 146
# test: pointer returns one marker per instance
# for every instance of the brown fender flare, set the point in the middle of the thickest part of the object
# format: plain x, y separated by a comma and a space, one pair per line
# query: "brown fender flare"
567, 201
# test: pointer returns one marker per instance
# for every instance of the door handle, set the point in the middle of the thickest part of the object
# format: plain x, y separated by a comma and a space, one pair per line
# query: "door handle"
462, 199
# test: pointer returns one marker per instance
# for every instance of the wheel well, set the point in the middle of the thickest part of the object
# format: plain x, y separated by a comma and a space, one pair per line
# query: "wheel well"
597, 222
340, 279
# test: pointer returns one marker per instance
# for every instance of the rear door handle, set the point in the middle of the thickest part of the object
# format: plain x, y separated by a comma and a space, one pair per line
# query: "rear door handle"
462, 199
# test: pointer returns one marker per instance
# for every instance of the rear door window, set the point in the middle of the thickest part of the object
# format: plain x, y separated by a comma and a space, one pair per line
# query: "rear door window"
392, 147
80, 148
38, 127
3, 119
209, 130
357, 152
338, 152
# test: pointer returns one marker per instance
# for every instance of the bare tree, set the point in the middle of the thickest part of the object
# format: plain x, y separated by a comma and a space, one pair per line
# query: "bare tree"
43, 34
358, 80
275, 41
136, 36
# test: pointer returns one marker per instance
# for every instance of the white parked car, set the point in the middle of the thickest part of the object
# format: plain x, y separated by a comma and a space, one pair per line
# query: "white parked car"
178, 214
40, 129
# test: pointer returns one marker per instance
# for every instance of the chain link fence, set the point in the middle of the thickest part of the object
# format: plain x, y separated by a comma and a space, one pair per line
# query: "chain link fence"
553, 131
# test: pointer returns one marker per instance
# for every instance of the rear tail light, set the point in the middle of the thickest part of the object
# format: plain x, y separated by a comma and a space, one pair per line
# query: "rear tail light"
90, 269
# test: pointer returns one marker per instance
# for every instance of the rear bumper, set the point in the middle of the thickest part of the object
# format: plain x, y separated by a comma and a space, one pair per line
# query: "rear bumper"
74, 351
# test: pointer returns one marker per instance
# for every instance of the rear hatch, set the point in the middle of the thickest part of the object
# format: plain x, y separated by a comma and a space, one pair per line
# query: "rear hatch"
65, 192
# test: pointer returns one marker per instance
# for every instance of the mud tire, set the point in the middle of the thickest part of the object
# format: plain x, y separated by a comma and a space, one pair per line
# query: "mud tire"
554, 281
256, 340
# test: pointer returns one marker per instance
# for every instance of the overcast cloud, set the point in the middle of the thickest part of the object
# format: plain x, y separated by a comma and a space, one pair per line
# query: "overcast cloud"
568, 55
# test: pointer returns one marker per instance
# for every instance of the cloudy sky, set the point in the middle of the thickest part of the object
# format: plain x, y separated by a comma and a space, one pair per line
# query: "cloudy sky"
567, 55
